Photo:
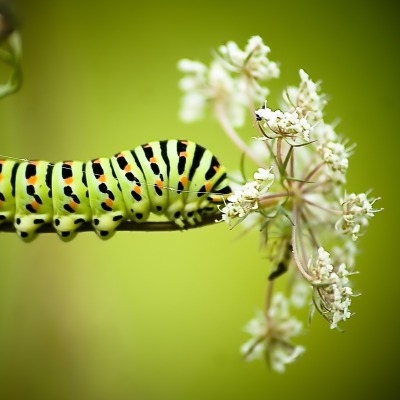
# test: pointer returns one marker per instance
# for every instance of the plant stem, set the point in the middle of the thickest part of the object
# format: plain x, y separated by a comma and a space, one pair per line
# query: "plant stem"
268, 298
265, 198
294, 246
311, 174
149, 226
331, 210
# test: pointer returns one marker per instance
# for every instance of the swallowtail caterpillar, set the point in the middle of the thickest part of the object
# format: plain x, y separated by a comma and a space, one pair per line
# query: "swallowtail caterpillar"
176, 178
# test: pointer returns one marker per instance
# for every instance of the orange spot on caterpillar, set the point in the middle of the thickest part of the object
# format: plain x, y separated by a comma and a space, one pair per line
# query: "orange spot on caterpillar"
159, 183
109, 202
1, 203
184, 142
137, 189
102, 178
215, 168
32, 180
33, 162
73, 205
2, 162
119, 155
207, 186
153, 160
97, 161
1, 177
69, 180
68, 163
184, 180
35, 205
183, 154
146, 146
216, 199
127, 168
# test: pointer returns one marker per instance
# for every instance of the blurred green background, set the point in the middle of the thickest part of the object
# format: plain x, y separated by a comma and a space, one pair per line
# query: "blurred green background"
160, 315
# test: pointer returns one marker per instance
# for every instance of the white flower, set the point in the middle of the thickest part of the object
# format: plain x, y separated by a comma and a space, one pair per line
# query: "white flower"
285, 355
324, 133
253, 60
228, 92
202, 85
265, 178
227, 83
272, 335
332, 295
357, 209
251, 66
193, 67
193, 105
290, 124
322, 268
345, 254
245, 200
194, 85
300, 293
335, 156
308, 98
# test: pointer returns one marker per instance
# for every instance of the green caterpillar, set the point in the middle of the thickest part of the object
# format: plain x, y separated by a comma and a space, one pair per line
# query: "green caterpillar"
176, 178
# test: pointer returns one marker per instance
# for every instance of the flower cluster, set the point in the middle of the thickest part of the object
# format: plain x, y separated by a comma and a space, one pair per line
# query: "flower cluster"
245, 200
272, 336
336, 156
214, 84
229, 83
331, 293
357, 208
286, 124
253, 60
298, 209
307, 98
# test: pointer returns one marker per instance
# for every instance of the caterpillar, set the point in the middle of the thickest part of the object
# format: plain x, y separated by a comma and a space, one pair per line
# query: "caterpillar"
176, 178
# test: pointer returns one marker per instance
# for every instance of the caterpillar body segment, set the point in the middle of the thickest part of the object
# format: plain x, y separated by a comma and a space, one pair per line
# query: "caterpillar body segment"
132, 184
153, 165
175, 178
71, 206
33, 204
105, 197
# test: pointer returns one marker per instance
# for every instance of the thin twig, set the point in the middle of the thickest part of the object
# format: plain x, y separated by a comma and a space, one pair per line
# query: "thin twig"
331, 210
266, 198
279, 153
148, 226
311, 174
291, 166
310, 231
268, 297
